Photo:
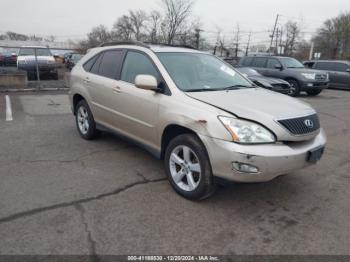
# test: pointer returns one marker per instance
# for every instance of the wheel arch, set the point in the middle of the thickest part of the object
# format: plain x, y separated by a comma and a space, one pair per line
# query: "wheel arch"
76, 99
170, 132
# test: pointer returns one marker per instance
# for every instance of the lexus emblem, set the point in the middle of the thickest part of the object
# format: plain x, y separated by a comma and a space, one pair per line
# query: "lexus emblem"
309, 123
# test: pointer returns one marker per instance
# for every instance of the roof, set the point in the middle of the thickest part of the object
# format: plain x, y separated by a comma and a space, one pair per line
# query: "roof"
157, 48
336, 61
34, 47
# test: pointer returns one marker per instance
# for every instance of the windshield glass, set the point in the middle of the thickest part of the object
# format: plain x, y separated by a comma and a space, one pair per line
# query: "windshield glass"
194, 72
248, 71
31, 52
291, 63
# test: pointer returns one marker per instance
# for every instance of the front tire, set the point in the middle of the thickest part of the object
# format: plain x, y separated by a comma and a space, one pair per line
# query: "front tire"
294, 87
188, 167
85, 121
313, 92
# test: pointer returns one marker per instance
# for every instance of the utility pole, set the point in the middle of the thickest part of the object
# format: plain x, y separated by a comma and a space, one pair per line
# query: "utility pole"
273, 32
311, 51
277, 35
197, 35
247, 49
237, 41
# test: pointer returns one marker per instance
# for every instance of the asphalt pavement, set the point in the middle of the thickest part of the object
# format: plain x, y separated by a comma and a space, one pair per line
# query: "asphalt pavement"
60, 194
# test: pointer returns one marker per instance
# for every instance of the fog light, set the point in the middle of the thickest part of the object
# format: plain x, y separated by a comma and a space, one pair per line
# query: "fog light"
245, 168
310, 85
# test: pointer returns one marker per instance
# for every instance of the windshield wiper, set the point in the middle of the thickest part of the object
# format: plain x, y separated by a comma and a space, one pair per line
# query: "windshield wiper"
235, 87
200, 90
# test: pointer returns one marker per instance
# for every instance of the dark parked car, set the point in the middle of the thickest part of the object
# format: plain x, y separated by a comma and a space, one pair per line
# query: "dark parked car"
301, 79
338, 71
8, 58
274, 84
72, 60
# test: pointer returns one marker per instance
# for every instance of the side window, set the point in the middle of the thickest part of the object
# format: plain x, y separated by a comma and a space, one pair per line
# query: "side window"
96, 66
137, 64
325, 66
111, 64
272, 63
341, 67
247, 61
259, 62
87, 66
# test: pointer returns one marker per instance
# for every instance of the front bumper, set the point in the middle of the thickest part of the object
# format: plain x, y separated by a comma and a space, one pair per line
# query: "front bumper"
272, 160
313, 85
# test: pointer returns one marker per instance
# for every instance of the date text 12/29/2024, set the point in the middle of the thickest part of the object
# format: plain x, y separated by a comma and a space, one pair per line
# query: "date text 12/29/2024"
173, 258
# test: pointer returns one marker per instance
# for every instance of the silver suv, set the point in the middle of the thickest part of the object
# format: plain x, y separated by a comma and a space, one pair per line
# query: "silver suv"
194, 111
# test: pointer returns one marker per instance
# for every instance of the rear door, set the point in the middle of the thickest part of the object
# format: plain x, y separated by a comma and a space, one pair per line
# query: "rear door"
330, 68
102, 81
259, 64
343, 75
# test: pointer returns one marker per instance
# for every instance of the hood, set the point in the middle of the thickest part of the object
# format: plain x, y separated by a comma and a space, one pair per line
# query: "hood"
259, 105
269, 80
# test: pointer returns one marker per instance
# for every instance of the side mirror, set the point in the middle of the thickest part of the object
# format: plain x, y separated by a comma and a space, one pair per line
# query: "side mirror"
279, 67
146, 82
348, 70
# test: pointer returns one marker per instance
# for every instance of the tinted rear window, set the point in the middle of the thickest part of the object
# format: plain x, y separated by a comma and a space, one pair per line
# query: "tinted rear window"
247, 61
325, 66
111, 64
31, 52
259, 62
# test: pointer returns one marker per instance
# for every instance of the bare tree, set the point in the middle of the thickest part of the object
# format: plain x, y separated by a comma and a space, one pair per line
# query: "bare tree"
292, 32
333, 38
138, 19
154, 24
98, 35
176, 13
122, 29
15, 36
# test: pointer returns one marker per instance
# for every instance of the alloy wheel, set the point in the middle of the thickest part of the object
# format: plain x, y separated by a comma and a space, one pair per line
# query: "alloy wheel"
185, 168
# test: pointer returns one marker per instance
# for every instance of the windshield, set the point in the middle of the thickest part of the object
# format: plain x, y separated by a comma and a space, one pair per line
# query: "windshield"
291, 63
31, 52
194, 72
248, 71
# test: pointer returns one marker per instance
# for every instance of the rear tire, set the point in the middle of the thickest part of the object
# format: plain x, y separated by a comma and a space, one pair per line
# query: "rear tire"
313, 92
188, 167
295, 87
85, 121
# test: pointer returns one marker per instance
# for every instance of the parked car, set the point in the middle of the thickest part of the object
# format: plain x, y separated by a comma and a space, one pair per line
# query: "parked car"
46, 62
8, 58
301, 79
274, 84
198, 114
338, 71
73, 60
67, 56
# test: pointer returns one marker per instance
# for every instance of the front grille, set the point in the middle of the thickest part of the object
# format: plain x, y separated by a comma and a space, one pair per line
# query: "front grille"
301, 125
321, 77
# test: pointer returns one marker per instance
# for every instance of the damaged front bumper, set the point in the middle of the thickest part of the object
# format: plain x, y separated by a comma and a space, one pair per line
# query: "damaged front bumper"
259, 163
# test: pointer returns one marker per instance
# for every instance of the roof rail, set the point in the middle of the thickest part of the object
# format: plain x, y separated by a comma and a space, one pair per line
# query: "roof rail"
170, 45
137, 43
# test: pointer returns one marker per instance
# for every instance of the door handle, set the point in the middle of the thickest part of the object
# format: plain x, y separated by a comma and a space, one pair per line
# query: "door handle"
116, 90
87, 80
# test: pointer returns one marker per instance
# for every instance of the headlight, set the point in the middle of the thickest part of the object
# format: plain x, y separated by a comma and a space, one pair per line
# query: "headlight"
247, 132
309, 76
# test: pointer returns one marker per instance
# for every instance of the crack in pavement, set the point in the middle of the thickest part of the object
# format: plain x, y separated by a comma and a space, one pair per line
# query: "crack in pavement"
90, 240
76, 202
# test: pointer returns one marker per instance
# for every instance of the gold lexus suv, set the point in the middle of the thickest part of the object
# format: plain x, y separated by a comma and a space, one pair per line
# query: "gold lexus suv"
194, 111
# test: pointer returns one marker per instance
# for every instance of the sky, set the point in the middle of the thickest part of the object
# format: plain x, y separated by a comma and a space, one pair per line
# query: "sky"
73, 19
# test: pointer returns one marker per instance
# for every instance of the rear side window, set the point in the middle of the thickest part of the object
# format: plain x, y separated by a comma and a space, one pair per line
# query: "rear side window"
272, 63
247, 61
259, 62
111, 64
88, 65
325, 66
137, 64
96, 65
341, 67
